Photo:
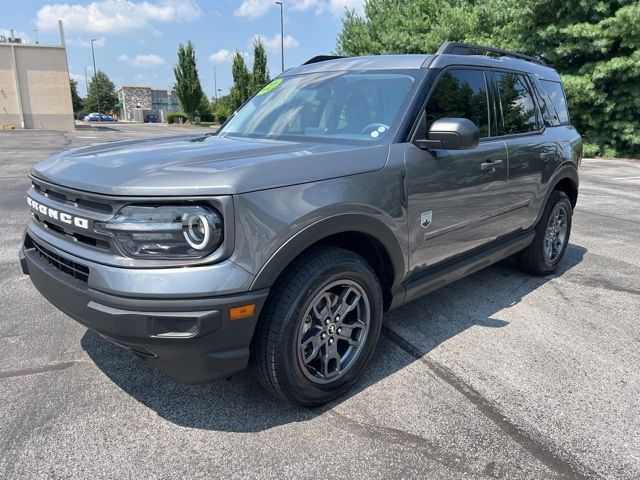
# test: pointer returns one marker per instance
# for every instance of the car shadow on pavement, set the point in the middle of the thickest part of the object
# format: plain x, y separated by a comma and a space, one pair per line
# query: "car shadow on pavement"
238, 404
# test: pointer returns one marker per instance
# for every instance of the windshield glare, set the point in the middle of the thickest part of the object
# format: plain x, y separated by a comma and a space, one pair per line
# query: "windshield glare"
338, 105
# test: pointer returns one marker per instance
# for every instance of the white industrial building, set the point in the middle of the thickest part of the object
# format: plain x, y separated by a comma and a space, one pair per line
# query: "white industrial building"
34, 85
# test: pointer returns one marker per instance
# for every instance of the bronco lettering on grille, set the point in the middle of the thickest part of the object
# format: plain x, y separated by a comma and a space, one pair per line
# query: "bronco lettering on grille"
58, 215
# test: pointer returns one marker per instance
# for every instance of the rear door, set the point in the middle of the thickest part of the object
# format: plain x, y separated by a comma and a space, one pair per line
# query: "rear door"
454, 199
532, 153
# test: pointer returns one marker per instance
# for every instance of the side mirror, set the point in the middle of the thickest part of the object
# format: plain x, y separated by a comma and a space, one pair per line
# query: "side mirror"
451, 134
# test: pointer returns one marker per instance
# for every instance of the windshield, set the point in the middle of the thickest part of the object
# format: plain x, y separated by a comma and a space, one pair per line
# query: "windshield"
362, 106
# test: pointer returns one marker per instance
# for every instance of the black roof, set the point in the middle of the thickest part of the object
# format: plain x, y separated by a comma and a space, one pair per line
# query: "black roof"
449, 53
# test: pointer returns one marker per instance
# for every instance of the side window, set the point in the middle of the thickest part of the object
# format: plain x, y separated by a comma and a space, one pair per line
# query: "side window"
549, 114
556, 94
518, 109
460, 94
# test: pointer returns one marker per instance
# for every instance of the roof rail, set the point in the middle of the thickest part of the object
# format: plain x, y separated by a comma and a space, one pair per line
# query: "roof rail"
457, 48
322, 58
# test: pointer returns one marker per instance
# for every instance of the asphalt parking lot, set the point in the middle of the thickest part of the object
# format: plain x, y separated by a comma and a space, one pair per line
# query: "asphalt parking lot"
501, 375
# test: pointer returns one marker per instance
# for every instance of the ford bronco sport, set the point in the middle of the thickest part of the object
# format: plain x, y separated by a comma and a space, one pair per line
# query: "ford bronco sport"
344, 188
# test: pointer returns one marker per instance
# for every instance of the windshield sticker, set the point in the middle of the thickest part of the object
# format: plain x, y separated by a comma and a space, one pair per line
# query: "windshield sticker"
270, 86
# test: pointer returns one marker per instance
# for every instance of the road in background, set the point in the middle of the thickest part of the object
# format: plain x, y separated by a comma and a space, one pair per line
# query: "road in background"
500, 375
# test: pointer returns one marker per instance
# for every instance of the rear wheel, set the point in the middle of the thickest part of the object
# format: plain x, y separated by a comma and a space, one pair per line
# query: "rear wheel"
319, 327
552, 236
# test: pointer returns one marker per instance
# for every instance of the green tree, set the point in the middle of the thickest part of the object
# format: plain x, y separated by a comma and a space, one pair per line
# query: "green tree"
260, 73
241, 79
593, 45
188, 87
75, 97
222, 108
596, 48
204, 110
100, 87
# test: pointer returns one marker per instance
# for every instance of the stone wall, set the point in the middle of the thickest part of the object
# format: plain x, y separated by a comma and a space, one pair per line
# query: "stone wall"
134, 97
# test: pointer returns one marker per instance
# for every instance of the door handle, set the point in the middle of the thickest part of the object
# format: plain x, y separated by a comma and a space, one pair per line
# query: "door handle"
490, 165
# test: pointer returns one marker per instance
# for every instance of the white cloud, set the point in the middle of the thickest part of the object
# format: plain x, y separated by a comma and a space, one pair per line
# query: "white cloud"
78, 77
253, 8
142, 61
222, 55
86, 42
273, 44
304, 5
337, 7
115, 16
257, 8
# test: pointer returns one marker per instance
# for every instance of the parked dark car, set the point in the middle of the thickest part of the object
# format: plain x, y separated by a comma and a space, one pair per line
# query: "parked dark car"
344, 188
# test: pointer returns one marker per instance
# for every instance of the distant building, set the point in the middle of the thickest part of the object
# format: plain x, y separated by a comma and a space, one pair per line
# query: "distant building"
138, 102
34, 85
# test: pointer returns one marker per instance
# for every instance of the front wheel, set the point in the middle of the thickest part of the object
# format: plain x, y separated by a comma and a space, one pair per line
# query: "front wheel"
320, 327
552, 236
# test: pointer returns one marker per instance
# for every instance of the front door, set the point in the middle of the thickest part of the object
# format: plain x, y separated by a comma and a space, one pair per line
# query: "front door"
455, 197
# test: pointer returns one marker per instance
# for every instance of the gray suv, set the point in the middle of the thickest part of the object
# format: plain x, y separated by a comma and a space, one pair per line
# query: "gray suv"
344, 188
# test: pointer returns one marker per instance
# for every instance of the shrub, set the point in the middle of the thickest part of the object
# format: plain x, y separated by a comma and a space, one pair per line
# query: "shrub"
222, 114
207, 117
173, 117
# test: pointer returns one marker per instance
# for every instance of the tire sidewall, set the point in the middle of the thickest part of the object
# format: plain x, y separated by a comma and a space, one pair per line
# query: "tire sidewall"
556, 199
296, 383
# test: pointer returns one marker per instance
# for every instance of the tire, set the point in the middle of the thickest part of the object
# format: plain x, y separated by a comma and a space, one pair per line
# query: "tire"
535, 259
294, 358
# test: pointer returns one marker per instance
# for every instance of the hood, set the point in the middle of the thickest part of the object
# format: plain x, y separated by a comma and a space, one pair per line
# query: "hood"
204, 165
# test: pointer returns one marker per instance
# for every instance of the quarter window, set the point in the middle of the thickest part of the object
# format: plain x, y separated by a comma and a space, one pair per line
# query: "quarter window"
518, 109
460, 94
556, 94
549, 115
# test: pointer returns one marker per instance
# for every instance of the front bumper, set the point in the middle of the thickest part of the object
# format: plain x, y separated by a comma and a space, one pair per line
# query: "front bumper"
190, 339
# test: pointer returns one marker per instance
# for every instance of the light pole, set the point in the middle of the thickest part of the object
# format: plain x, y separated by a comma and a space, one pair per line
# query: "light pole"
95, 72
215, 84
281, 35
86, 80
37, 42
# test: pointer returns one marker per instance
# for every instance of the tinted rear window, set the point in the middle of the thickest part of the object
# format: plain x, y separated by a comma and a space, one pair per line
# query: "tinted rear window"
518, 109
556, 94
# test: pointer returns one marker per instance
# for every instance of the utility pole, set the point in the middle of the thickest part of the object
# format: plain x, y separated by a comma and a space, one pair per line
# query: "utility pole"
215, 84
281, 35
86, 81
95, 72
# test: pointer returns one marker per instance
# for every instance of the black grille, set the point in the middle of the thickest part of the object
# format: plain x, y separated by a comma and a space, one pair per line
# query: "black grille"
72, 199
91, 241
76, 270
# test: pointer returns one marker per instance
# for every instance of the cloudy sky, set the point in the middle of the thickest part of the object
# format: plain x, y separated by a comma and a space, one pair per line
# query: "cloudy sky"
136, 41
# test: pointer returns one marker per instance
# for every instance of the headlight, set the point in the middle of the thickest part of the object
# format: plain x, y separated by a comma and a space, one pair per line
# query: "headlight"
170, 232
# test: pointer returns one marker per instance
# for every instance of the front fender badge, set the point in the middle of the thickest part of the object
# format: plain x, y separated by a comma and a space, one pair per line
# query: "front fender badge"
425, 218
